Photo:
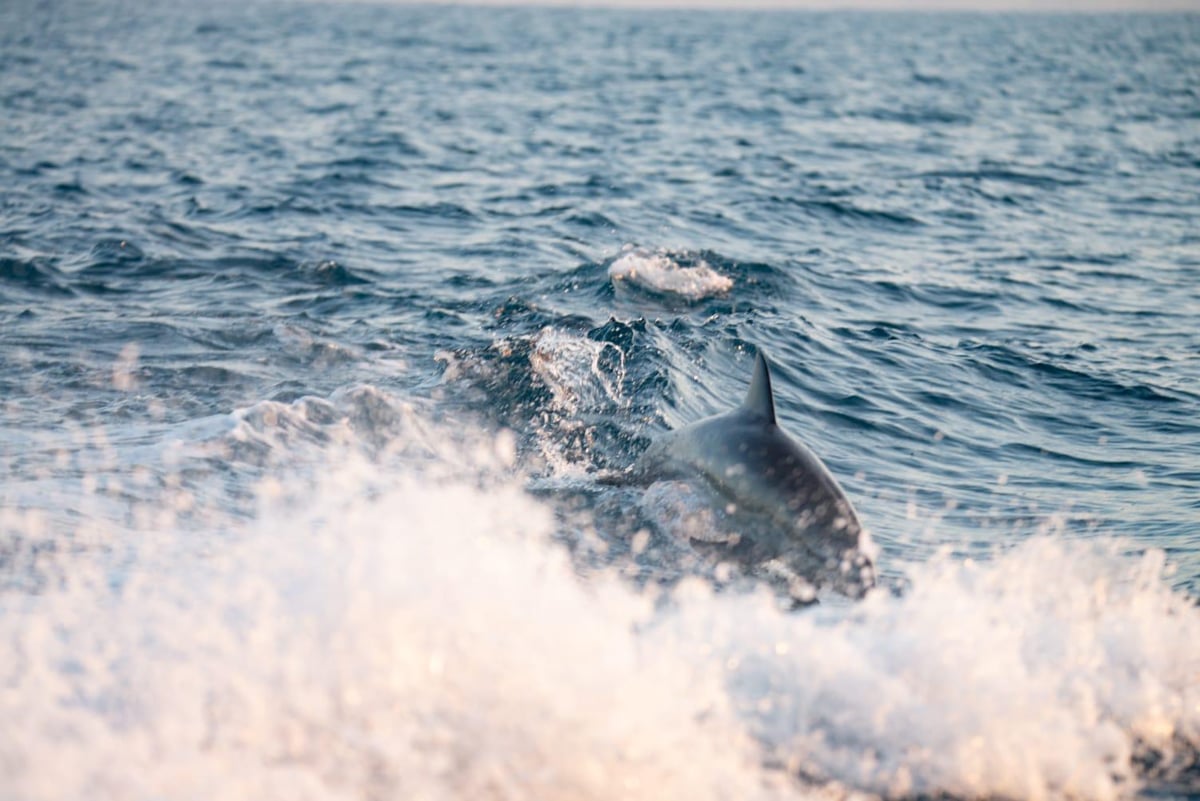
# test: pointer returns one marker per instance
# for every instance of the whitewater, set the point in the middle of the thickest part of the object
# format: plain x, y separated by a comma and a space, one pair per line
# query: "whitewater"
324, 327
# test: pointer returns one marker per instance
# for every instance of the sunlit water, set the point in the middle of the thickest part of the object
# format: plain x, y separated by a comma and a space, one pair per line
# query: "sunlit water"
319, 323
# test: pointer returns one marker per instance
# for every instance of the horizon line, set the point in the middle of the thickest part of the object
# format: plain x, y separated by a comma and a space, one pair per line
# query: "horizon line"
1031, 7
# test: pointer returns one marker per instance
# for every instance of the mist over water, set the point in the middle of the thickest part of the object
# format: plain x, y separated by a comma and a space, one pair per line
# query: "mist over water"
322, 328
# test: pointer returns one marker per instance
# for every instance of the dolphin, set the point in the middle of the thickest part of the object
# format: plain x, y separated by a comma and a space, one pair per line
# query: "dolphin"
809, 533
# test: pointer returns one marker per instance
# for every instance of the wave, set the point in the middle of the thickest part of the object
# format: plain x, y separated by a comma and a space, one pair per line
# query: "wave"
377, 629
669, 274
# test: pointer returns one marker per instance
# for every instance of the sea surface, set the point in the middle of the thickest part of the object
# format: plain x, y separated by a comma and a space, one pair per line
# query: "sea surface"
323, 328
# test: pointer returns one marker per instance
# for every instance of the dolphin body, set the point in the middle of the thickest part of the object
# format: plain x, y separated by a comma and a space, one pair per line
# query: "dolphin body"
809, 534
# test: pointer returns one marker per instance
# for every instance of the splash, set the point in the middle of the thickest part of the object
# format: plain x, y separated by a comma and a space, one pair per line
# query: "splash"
661, 273
376, 630
423, 644
1051, 672
570, 367
564, 390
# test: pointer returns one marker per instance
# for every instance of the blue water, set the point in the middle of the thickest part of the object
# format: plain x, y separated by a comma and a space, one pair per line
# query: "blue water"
318, 322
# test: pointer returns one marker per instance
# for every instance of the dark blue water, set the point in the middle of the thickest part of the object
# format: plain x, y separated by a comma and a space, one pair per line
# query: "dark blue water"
318, 322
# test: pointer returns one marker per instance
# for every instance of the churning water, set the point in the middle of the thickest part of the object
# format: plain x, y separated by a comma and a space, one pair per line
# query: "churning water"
318, 323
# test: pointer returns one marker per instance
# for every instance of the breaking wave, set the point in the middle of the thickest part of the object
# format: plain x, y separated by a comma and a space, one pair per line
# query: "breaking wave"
663, 273
377, 630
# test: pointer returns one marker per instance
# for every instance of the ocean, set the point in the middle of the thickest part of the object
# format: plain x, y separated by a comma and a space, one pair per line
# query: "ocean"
323, 324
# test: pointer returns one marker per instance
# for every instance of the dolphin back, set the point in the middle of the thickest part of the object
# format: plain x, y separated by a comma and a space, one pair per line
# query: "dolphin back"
744, 454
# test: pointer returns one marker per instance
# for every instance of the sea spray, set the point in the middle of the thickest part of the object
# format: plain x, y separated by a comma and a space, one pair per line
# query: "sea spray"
378, 631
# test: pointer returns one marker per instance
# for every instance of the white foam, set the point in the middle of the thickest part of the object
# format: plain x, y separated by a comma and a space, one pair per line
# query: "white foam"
1033, 676
569, 365
392, 634
660, 273
428, 643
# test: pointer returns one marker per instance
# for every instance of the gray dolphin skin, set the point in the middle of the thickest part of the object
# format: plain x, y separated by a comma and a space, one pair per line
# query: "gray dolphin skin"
811, 529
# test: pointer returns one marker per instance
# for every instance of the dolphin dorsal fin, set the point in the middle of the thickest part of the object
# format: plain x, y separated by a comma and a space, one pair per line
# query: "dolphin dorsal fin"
760, 402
